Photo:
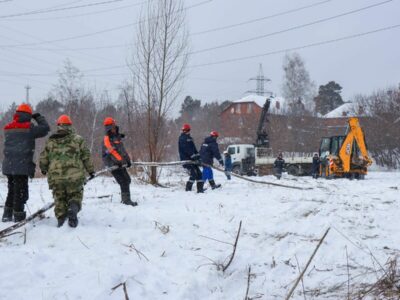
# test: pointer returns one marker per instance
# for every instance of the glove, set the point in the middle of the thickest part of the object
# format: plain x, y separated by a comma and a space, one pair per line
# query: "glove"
221, 163
119, 164
36, 115
44, 173
129, 164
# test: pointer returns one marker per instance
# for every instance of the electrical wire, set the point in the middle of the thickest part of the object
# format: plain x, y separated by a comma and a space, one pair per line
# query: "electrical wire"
348, 37
94, 33
291, 28
80, 15
36, 12
290, 11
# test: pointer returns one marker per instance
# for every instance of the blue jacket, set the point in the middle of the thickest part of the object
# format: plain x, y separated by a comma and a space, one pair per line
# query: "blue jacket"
209, 150
228, 162
187, 148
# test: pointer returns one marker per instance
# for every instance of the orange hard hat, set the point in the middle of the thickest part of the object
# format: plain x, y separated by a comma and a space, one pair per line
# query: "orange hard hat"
26, 108
186, 127
214, 133
109, 121
64, 120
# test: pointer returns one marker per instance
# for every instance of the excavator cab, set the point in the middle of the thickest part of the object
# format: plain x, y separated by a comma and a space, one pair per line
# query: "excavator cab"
345, 156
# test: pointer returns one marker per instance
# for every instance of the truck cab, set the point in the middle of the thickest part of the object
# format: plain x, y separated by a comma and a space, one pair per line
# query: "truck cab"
243, 156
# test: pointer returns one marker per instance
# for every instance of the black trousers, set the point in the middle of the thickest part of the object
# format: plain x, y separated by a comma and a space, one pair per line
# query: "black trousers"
123, 179
195, 173
18, 192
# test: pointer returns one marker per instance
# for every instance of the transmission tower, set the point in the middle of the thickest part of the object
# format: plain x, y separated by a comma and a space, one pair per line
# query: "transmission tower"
260, 81
27, 88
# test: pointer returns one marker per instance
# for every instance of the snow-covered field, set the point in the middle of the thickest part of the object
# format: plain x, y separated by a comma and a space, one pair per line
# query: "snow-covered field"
180, 239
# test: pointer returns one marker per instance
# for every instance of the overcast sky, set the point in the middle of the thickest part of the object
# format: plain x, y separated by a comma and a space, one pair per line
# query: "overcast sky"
360, 65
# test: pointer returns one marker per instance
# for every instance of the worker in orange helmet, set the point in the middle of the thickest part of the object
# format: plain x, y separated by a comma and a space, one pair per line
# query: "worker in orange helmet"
64, 160
19, 147
114, 154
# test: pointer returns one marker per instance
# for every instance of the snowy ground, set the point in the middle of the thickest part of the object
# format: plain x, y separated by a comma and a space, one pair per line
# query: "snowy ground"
181, 238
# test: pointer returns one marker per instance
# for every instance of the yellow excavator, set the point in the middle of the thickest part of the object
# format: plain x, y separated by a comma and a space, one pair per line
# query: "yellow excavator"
345, 156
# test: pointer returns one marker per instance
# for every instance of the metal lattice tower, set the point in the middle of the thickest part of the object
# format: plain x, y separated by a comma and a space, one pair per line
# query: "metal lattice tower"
260, 81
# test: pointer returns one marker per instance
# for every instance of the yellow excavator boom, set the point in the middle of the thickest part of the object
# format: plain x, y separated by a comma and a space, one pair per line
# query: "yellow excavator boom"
356, 134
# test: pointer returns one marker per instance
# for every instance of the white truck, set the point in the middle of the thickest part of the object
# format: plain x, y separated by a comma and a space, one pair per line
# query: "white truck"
249, 160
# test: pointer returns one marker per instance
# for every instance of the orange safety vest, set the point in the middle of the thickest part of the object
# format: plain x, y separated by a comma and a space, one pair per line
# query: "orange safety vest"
110, 148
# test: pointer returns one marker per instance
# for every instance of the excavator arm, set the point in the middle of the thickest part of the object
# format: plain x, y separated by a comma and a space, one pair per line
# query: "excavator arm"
346, 154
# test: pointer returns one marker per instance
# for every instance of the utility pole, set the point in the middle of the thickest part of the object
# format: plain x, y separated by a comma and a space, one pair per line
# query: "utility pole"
260, 80
27, 87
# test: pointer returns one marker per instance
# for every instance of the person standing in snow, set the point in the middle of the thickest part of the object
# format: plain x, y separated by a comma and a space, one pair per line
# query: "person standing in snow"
208, 151
228, 164
64, 160
19, 148
115, 155
279, 164
188, 151
316, 162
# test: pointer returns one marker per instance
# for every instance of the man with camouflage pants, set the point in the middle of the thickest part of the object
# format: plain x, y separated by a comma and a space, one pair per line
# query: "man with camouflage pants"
65, 159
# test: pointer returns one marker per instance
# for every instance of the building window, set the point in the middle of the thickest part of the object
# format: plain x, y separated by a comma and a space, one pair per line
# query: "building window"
232, 110
238, 108
277, 105
249, 108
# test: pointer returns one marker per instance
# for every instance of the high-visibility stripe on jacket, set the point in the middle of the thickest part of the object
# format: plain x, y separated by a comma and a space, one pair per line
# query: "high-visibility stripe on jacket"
110, 148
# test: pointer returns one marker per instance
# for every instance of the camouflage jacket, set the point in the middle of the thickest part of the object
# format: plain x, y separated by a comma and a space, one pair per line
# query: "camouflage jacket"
65, 157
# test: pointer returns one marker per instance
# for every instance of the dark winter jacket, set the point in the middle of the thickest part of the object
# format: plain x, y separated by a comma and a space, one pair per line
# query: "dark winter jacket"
19, 143
113, 150
228, 162
279, 164
315, 164
209, 150
187, 148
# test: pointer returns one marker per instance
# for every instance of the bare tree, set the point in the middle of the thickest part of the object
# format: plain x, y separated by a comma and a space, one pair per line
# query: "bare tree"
158, 67
297, 88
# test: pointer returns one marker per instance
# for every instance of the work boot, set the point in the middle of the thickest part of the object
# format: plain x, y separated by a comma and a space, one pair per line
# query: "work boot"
61, 220
19, 216
213, 185
7, 214
73, 214
126, 199
189, 186
200, 186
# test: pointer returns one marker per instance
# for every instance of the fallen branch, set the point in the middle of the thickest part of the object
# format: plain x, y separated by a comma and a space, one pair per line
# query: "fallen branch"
4, 232
307, 265
248, 284
302, 280
123, 284
83, 243
225, 267
139, 253
164, 229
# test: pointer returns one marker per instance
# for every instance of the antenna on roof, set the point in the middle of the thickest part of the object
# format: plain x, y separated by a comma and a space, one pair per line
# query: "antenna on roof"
260, 80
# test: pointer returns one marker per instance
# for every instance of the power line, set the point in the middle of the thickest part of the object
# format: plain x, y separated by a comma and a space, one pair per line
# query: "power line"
81, 15
261, 19
96, 32
36, 12
348, 37
290, 28
298, 48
